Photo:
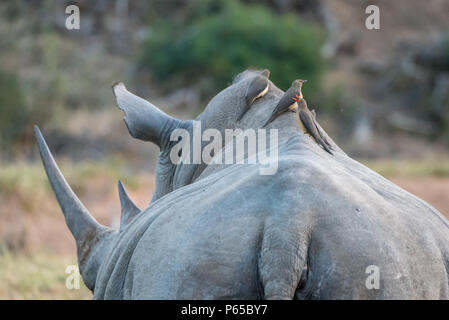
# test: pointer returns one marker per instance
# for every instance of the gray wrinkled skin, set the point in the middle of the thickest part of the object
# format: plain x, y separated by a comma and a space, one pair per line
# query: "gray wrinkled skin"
226, 232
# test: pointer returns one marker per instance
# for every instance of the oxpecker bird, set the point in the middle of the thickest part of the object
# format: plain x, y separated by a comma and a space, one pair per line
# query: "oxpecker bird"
307, 120
289, 101
257, 88
319, 130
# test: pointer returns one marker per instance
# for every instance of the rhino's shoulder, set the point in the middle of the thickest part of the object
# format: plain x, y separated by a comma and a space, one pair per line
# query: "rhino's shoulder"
295, 172
295, 187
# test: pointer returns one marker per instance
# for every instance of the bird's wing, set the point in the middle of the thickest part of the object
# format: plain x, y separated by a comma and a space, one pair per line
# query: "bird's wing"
307, 121
285, 102
256, 89
321, 134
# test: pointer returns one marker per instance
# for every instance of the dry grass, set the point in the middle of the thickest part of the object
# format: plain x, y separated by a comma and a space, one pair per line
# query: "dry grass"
37, 276
30, 217
410, 168
35, 244
29, 183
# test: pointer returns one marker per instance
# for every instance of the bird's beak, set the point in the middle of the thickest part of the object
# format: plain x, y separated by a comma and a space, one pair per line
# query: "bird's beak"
304, 80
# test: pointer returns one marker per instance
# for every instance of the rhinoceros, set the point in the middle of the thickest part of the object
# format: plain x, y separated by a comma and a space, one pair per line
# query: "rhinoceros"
321, 227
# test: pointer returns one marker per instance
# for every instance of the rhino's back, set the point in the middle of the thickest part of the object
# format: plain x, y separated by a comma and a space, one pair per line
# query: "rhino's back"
205, 233
210, 232
365, 229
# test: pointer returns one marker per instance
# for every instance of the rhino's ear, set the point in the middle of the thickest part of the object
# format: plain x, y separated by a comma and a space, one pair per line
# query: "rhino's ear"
144, 120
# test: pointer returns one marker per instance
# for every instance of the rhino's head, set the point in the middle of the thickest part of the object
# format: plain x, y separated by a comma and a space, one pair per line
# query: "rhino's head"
146, 122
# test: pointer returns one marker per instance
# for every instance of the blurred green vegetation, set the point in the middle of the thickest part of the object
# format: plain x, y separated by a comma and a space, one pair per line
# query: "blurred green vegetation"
338, 105
48, 72
420, 84
37, 97
443, 60
13, 109
439, 95
218, 39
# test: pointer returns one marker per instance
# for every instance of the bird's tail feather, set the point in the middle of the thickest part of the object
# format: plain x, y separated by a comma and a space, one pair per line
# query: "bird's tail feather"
328, 144
327, 149
325, 146
322, 136
326, 141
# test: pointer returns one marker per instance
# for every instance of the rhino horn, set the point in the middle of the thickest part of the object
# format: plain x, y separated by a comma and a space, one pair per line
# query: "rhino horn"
129, 209
88, 233
144, 120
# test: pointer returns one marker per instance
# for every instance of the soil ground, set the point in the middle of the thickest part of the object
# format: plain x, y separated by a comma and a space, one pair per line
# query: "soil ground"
433, 190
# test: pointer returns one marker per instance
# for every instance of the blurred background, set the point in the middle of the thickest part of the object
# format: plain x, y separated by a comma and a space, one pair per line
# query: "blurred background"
382, 95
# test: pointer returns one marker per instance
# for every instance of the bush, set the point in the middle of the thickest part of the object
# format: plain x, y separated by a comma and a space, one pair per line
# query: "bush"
13, 109
420, 85
442, 57
225, 41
